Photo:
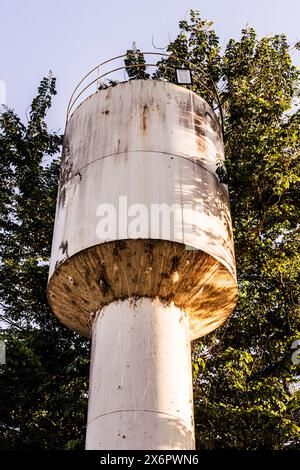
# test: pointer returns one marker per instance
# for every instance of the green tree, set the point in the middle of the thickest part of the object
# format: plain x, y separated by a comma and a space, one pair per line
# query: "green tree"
43, 386
135, 64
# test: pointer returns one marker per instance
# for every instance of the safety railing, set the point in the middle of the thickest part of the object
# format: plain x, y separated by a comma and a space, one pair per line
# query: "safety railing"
97, 74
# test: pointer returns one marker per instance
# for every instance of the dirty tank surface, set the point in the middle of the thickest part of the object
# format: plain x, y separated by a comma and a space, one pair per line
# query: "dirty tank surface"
154, 143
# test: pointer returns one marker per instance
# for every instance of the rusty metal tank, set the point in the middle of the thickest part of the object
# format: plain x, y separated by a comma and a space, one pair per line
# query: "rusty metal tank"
130, 151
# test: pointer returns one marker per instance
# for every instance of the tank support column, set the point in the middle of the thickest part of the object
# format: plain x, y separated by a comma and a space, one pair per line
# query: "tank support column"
141, 393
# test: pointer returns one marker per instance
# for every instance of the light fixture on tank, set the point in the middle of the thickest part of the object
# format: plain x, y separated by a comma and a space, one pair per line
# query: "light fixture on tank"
183, 76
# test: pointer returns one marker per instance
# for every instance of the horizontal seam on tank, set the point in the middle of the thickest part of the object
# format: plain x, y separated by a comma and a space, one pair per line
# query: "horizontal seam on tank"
144, 411
146, 151
149, 151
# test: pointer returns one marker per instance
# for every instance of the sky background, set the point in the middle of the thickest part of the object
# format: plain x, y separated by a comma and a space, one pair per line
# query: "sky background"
70, 36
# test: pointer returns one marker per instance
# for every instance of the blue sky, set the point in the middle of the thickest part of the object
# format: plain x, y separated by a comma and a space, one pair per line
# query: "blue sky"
71, 36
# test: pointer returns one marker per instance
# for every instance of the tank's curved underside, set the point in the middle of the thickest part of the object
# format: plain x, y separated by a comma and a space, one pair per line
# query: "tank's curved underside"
192, 279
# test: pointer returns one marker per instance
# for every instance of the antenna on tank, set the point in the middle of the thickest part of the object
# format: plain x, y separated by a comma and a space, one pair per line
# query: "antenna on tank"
2, 93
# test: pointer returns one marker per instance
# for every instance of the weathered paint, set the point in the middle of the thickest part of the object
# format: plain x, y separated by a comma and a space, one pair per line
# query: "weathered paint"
141, 393
143, 268
156, 143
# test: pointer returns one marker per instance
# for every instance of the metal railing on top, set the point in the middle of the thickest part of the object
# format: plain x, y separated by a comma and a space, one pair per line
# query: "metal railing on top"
197, 71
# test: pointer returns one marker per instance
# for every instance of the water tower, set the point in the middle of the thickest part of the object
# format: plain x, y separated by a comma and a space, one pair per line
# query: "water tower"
142, 256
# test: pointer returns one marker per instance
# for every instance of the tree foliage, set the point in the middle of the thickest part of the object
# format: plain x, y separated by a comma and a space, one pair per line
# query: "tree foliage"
135, 64
43, 386
245, 383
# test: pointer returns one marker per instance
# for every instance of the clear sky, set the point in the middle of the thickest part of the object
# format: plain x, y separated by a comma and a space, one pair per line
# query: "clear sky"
71, 36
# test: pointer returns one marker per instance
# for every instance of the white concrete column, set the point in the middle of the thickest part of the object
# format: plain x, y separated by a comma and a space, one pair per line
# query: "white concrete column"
140, 378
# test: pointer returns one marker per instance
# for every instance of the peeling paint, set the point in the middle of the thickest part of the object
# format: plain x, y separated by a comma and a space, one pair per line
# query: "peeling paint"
64, 247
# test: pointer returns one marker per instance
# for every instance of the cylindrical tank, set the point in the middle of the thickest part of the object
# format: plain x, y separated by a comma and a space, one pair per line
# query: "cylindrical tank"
141, 213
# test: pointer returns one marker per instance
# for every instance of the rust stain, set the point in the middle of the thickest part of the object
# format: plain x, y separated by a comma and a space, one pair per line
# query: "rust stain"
175, 264
144, 118
104, 283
